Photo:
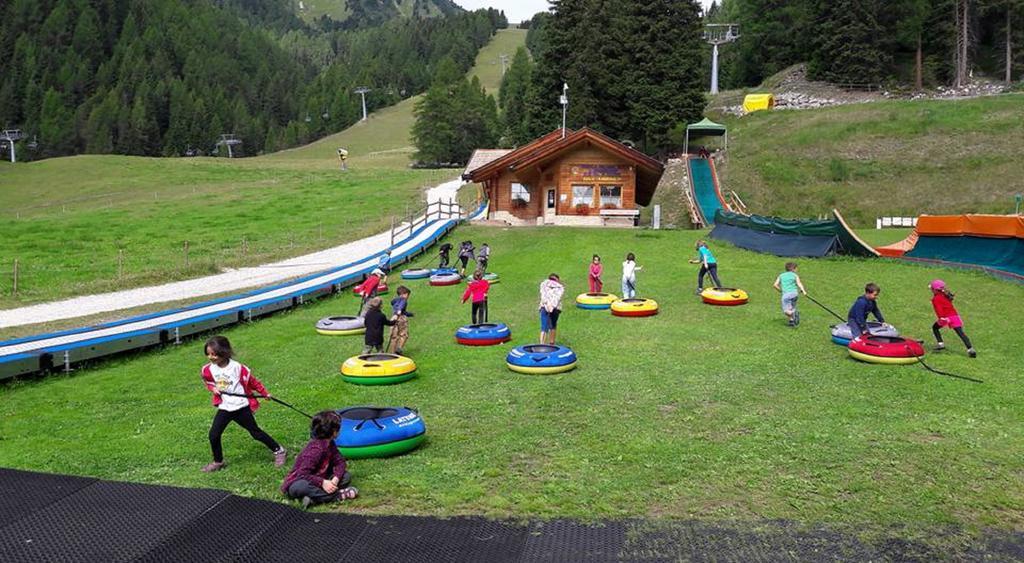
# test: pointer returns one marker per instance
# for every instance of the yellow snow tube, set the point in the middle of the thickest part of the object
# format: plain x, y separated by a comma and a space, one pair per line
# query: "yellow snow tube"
724, 296
595, 300
635, 307
378, 369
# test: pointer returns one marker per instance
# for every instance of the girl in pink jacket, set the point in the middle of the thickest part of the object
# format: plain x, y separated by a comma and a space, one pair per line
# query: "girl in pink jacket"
477, 289
596, 269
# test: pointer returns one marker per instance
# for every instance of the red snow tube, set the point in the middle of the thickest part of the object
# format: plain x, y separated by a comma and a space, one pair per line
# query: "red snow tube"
886, 350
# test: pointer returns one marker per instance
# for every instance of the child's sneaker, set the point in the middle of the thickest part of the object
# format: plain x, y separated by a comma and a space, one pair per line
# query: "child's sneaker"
796, 318
700, 290
213, 466
971, 353
939, 347
279, 457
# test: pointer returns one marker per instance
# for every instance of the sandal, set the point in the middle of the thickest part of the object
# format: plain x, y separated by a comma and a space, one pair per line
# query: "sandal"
348, 493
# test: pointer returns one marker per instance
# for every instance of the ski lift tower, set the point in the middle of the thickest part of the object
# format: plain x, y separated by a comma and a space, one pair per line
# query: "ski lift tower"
9, 137
362, 92
719, 34
229, 140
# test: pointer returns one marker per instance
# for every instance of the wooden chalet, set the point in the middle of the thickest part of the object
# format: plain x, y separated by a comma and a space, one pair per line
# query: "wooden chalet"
583, 178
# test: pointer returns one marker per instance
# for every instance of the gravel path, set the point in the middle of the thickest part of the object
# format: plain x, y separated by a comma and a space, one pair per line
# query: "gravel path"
230, 280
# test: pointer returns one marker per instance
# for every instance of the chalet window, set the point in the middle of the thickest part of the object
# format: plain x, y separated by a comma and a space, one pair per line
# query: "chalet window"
582, 195
520, 195
611, 196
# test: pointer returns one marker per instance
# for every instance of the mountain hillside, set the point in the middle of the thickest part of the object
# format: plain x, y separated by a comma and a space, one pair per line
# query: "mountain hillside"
371, 12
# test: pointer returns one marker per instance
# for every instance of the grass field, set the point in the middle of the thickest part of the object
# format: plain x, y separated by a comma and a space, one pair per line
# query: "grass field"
891, 158
488, 60
700, 412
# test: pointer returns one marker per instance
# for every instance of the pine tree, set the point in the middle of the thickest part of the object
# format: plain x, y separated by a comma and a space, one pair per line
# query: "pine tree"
848, 47
512, 98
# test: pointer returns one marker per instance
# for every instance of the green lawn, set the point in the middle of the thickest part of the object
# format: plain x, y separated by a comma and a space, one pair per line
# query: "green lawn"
700, 412
890, 158
488, 60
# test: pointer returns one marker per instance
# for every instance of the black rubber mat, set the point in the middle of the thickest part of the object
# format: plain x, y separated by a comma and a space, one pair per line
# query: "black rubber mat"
407, 538
104, 522
47, 518
24, 492
220, 533
565, 540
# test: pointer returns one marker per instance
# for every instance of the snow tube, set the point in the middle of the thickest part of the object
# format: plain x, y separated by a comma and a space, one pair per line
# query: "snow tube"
842, 335
382, 288
340, 326
724, 296
416, 274
445, 279
634, 307
886, 350
442, 271
595, 300
379, 431
541, 359
378, 369
485, 334
489, 276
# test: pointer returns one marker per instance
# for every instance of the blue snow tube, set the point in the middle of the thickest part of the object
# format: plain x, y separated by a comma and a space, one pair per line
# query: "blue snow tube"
443, 271
379, 431
485, 334
541, 359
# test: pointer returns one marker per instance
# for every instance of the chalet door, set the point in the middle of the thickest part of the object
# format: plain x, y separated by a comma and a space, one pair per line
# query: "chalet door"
549, 208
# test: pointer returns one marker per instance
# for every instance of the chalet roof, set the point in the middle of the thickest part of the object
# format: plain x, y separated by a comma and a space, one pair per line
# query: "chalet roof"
484, 156
553, 144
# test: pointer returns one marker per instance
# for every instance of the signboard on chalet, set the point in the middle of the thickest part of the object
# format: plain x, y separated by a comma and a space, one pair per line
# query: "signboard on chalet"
597, 172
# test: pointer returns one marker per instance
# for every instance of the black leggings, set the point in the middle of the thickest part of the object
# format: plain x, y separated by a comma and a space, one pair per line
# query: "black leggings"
479, 312
709, 269
303, 488
245, 419
443, 263
959, 332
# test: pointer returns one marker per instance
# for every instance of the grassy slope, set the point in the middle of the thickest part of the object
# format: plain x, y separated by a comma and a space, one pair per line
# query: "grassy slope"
488, 60
700, 412
68, 217
880, 159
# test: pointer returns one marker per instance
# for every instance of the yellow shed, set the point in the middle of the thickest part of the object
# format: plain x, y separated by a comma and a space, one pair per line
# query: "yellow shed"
757, 102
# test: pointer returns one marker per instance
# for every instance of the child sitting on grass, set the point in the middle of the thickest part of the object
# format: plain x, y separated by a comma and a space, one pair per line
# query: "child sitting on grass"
788, 283
857, 317
374, 321
233, 385
400, 313
477, 289
319, 474
942, 302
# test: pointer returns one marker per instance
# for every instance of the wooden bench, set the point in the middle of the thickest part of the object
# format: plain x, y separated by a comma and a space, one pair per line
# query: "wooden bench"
609, 214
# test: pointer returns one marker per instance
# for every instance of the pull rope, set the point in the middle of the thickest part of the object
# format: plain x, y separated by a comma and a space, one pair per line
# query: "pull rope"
275, 399
818, 303
920, 360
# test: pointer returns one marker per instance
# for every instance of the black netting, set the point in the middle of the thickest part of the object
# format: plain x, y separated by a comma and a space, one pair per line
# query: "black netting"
343, 318
566, 540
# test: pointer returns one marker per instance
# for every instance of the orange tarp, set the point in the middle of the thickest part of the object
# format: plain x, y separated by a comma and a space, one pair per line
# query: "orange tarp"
998, 226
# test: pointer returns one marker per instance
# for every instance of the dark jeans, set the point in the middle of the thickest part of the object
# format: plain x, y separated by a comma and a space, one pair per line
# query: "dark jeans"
443, 263
482, 264
959, 332
245, 419
709, 269
303, 488
479, 312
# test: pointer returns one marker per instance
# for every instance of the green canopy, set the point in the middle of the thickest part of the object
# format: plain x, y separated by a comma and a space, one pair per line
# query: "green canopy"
706, 127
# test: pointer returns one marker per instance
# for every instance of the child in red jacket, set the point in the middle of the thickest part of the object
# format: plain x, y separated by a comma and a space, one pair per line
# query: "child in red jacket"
320, 473
942, 302
478, 289
233, 385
